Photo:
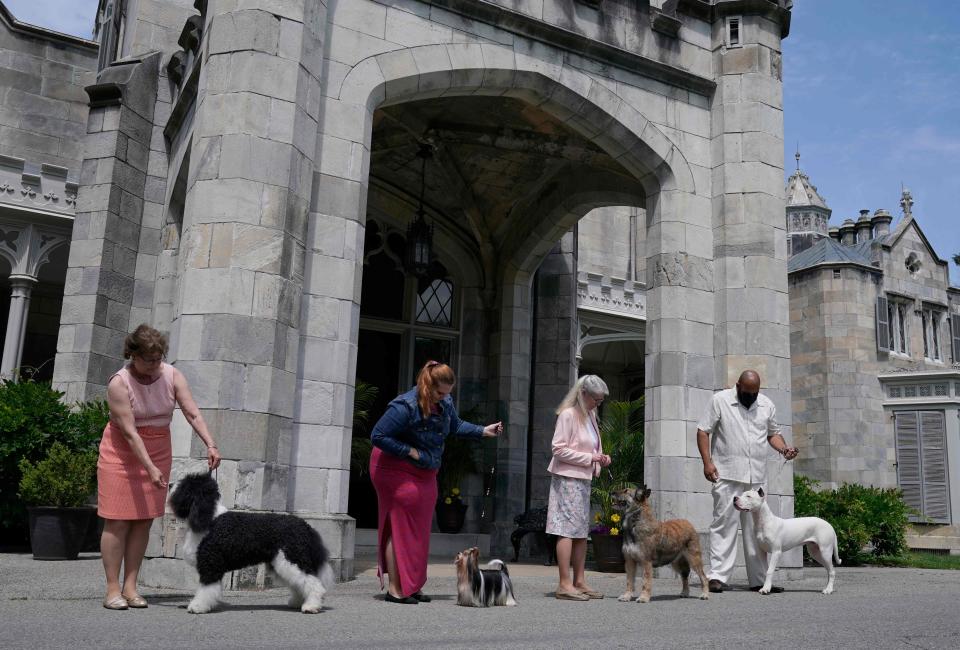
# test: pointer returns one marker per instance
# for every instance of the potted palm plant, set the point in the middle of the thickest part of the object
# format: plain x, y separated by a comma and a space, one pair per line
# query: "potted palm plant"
56, 490
621, 431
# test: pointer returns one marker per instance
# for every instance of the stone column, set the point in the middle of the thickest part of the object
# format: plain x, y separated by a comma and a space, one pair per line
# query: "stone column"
238, 317
750, 240
554, 363
21, 286
99, 287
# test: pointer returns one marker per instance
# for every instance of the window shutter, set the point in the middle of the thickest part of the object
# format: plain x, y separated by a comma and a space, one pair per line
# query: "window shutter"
933, 462
955, 334
883, 325
908, 460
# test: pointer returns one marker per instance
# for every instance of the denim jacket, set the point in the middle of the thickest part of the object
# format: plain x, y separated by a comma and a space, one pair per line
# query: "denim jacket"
403, 426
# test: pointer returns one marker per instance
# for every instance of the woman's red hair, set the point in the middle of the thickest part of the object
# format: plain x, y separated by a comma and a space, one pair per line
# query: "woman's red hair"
432, 374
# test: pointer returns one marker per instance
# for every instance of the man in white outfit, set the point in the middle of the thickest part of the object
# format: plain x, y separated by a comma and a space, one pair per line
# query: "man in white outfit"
732, 437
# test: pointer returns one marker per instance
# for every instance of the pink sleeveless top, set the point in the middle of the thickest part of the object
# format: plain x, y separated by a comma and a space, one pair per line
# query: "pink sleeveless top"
152, 404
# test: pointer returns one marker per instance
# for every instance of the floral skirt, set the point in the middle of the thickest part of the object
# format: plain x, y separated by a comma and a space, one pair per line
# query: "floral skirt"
568, 510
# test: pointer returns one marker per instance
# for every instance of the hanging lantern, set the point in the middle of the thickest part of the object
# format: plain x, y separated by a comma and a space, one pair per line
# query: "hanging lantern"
419, 251
419, 245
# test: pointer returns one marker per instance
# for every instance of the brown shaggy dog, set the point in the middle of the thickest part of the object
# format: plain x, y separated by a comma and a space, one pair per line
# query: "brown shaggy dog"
651, 543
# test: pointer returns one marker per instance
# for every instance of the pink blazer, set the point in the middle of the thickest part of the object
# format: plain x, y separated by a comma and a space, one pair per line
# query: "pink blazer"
573, 447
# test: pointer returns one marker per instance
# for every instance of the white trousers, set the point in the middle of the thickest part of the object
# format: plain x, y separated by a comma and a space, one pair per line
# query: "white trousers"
723, 535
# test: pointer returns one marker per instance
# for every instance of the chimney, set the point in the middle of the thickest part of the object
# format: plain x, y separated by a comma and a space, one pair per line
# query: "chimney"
881, 223
834, 233
864, 226
848, 233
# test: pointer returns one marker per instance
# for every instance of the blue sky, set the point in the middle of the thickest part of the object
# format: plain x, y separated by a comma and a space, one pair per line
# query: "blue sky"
871, 91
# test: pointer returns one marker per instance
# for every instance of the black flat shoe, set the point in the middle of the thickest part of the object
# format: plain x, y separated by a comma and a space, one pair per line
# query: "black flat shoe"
406, 600
715, 587
421, 597
773, 590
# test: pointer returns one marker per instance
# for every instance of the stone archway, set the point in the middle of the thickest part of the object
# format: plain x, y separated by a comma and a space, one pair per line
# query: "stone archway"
581, 102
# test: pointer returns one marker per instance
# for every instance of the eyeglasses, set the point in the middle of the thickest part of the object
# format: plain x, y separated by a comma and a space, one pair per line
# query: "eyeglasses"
156, 359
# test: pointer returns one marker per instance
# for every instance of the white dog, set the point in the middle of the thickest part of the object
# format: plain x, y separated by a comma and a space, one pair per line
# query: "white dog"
776, 535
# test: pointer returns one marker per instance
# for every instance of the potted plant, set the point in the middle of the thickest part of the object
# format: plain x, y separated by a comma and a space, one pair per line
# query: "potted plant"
621, 431
451, 511
362, 497
56, 490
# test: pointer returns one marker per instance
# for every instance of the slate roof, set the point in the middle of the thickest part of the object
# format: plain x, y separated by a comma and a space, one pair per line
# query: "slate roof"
828, 252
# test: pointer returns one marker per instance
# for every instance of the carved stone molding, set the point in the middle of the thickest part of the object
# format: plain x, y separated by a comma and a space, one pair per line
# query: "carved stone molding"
613, 296
31, 186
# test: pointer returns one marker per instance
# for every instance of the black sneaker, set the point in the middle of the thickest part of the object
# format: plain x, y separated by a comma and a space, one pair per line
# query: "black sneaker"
773, 590
405, 600
715, 587
421, 597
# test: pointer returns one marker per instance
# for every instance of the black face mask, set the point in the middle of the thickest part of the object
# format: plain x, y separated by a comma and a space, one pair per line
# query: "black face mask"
747, 399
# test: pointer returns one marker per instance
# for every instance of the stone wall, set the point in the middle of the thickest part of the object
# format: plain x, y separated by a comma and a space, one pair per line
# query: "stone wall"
43, 109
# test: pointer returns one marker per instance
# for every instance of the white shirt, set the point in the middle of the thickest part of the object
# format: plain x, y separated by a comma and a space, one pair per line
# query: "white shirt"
738, 436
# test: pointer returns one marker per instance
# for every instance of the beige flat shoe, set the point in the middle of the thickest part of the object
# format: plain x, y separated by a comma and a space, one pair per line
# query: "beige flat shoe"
136, 602
117, 602
571, 595
589, 593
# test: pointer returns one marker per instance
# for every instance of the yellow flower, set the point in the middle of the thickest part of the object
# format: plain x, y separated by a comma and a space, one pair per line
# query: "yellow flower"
455, 492
448, 500
615, 518
614, 531
597, 518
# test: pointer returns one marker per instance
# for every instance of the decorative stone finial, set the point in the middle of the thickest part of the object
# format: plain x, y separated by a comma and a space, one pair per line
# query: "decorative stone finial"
906, 202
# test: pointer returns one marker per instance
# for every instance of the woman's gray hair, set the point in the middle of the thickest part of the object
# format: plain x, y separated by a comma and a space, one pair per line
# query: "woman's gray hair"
590, 384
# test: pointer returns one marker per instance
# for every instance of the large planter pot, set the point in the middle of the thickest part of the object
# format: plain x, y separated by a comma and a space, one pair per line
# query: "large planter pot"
450, 516
91, 542
58, 533
608, 552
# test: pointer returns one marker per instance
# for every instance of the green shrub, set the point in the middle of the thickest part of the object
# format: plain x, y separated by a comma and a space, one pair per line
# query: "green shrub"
33, 417
65, 478
860, 515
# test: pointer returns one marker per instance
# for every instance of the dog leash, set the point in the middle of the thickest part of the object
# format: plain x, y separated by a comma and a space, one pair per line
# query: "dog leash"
486, 493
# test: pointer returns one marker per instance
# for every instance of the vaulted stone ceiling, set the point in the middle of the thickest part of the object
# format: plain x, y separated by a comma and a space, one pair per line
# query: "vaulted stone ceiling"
493, 157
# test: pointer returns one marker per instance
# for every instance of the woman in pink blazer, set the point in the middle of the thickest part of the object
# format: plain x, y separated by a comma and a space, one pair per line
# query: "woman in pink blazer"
577, 458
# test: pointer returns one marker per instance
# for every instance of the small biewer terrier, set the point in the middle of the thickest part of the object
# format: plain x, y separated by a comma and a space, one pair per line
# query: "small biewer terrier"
486, 586
219, 541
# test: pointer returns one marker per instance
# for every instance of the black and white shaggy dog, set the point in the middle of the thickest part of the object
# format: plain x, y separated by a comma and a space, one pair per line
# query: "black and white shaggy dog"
219, 541
485, 586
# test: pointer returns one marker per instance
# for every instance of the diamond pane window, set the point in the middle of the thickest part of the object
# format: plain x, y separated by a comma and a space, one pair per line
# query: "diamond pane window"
435, 302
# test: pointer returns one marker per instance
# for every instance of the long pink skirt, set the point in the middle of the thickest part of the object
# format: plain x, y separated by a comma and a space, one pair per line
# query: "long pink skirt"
406, 496
124, 490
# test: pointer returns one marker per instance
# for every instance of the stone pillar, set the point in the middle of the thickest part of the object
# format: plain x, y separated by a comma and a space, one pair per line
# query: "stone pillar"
239, 316
21, 286
510, 391
749, 238
555, 367
99, 287
864, 226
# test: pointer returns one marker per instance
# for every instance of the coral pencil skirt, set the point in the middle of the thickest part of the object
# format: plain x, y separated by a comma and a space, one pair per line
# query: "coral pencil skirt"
124, 490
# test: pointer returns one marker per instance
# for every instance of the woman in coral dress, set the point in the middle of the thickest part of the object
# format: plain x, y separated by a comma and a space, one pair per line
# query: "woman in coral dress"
135, 457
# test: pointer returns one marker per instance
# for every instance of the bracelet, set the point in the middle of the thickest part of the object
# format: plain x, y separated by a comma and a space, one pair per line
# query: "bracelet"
211, 447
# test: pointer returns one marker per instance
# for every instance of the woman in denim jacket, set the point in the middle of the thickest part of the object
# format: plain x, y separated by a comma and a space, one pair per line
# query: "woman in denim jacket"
408, 445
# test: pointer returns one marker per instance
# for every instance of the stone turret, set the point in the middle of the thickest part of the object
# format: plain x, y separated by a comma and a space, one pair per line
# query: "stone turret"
848, 232
864, 226
807, 213
881, 223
